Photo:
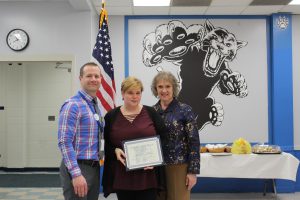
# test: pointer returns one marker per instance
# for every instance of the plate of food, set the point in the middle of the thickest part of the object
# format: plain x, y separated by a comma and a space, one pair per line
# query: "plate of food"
216, 148
266, 149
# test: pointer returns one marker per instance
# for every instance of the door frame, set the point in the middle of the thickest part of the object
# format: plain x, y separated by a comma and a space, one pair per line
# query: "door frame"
45, 58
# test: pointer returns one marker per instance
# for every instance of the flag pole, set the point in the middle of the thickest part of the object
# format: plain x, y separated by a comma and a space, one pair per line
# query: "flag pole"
103, 14
102, 53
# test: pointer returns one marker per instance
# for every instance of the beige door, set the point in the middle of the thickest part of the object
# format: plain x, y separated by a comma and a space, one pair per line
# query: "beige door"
2, 116
48, 86
13, 126
31, 93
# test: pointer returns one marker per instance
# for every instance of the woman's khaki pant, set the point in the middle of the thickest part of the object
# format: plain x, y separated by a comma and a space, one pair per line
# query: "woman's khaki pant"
175, 180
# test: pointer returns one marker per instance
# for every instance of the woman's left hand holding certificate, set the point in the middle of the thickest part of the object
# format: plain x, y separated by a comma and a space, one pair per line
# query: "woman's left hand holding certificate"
120, 155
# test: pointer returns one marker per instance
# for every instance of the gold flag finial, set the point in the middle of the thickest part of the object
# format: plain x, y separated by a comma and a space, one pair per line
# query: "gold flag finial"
103, 14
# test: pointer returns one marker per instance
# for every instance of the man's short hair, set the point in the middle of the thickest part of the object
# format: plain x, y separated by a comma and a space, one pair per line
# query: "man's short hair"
87, 64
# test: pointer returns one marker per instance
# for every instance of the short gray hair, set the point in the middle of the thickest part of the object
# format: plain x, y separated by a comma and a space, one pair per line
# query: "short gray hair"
166, 76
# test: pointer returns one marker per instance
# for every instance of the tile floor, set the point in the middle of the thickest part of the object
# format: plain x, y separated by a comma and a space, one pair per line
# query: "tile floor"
56, 194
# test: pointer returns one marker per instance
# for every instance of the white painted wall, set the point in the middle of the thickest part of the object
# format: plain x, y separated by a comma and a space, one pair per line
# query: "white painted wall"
55, 28
116, 32
296, 79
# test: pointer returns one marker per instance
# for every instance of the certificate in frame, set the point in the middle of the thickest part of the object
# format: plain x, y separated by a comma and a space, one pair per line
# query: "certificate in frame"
143, 152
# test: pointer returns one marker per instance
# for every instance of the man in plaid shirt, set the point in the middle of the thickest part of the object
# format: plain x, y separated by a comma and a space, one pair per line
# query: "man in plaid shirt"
80, 125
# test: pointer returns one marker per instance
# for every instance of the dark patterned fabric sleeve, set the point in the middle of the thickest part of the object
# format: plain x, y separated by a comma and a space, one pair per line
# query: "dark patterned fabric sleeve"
193, 141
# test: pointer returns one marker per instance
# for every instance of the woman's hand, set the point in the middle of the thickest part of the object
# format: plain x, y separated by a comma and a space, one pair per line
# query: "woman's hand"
190, 181
148, 168
120, 155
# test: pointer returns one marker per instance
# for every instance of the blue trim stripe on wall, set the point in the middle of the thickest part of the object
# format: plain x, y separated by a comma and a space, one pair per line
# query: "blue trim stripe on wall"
126, 48
282, 88
282, 81
269, 61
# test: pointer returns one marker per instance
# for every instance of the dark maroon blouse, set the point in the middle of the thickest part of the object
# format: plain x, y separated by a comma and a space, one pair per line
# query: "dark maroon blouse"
122, 129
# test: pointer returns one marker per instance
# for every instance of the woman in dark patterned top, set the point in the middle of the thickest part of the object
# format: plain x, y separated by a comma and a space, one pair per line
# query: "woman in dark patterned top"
130, 121
181, 145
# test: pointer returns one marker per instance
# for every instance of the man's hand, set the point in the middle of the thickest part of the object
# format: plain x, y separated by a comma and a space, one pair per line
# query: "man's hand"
80, 186
120, 155
190, 181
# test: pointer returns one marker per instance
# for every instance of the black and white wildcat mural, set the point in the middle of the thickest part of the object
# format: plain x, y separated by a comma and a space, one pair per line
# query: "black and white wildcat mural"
204, 53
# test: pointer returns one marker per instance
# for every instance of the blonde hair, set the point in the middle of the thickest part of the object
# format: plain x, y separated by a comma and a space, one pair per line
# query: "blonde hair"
131, 82
166, 76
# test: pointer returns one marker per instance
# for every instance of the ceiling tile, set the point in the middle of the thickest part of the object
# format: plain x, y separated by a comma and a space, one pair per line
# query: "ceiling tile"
190, 2
79, 5
183, 10
222, 10
115, 10
216, 7
34, 0
151, 10
261, 10
270, 2
230, 2
117, 3
295, 9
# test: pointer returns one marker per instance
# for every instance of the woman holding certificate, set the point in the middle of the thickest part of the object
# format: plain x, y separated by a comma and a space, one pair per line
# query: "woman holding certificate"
129, 122
181, 145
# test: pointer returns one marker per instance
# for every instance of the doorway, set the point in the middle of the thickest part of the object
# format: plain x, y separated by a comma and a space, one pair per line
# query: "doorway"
31, 94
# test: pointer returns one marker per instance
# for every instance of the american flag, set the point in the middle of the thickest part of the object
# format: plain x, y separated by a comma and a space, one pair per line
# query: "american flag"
102, 54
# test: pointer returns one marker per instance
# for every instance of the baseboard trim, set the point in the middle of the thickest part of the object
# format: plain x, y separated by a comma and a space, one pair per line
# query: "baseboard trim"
30, 169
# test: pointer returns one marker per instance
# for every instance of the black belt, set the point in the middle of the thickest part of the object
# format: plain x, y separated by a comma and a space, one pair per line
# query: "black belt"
92, 163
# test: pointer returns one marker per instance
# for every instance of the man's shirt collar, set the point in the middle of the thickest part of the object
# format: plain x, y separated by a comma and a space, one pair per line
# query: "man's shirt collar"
86, 95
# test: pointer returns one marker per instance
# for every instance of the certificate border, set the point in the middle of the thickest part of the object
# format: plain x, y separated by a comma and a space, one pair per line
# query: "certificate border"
125, 144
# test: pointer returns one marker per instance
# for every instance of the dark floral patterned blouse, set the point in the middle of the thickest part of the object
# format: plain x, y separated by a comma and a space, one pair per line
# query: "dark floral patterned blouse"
181, 144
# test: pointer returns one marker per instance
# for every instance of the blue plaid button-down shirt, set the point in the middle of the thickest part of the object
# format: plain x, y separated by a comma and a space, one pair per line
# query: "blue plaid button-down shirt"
78, 131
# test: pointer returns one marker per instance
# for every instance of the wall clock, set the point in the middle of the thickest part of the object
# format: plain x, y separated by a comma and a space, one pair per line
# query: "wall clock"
17, 39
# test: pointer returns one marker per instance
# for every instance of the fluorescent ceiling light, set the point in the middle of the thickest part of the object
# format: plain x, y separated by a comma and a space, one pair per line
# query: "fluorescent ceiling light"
151, 2
295, 2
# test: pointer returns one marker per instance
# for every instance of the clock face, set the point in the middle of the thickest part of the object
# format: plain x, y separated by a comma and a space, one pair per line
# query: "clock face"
17, 39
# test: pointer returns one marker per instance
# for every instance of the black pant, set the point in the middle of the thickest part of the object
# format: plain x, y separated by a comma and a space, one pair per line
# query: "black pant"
149, 194
92, 177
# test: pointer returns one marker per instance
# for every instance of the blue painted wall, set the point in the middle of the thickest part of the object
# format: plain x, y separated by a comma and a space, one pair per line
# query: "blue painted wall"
282, 88
282, 81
